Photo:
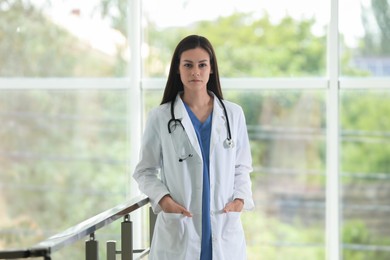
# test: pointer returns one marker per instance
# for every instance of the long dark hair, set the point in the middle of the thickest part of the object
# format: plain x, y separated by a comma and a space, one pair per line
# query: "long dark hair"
174, 84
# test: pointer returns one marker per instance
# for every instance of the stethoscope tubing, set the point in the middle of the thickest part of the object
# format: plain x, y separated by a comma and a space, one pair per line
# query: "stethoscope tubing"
173, 119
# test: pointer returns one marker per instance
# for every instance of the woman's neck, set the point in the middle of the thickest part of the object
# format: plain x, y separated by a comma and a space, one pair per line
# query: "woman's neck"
196, 99
201, 104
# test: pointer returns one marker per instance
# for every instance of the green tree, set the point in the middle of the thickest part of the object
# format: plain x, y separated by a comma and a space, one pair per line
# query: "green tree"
377, 36
365, 131
63, 157
248, 46
31, 45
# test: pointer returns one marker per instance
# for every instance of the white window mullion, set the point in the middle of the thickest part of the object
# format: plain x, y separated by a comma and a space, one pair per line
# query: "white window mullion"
63, 83
134, 110
365, 83
134, 105
332, 170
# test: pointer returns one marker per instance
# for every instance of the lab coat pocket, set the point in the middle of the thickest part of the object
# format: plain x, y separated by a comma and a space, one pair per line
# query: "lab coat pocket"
171, 229
232, 225
232, 237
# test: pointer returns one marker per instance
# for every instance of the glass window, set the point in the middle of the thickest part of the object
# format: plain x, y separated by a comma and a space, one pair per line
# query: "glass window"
63, 156
365, 36
365, 174
287, 135
64, 152
63, 38
251, 38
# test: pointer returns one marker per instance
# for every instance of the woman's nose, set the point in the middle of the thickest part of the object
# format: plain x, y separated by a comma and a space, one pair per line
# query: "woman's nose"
195, 72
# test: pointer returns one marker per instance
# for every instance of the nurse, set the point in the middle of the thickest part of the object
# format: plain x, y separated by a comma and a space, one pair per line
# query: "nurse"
195, 162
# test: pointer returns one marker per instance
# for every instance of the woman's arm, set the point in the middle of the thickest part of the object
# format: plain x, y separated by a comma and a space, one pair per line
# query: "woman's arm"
149, 165
243, 165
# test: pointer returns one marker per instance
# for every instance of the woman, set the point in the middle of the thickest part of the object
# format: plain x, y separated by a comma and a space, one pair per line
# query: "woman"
195, 162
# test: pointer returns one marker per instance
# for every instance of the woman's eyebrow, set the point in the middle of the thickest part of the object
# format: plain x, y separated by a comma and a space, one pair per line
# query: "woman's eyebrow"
205, 60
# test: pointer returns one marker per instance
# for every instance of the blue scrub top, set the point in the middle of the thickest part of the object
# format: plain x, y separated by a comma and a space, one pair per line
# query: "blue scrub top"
203, 132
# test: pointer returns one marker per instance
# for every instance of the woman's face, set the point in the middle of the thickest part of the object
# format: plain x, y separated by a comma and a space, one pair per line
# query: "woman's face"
195, 68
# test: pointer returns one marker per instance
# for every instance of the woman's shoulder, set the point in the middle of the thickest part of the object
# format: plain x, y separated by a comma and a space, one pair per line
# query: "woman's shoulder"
163, 108
231, 106
158, 111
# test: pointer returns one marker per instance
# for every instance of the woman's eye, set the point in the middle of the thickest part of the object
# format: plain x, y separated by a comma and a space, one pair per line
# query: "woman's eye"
202, 65
187, 65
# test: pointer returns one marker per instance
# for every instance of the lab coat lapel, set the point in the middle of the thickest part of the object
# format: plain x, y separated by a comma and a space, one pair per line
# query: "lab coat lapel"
181, 113
218, 124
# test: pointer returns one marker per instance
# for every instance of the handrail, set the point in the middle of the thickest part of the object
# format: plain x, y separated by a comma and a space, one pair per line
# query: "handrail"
77, 232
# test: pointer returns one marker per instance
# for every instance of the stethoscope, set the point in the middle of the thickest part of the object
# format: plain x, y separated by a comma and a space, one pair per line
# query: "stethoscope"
174, 122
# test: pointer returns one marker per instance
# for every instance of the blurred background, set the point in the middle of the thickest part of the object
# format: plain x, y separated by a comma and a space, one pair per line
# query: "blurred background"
70, 72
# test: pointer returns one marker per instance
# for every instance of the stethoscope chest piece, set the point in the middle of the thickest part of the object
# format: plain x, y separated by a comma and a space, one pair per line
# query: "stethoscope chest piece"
228, 143
186, 150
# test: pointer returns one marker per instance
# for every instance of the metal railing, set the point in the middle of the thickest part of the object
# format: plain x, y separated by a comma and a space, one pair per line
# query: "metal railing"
88, 228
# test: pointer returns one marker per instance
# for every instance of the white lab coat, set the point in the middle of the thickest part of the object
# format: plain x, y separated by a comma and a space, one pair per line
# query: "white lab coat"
159, 172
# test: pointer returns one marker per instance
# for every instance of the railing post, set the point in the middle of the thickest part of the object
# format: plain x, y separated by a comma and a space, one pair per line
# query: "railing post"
127, 238
111, 250
91, 248
152, 222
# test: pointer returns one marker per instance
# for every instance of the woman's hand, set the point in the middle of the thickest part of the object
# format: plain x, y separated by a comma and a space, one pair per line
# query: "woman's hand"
168, 205
235, 206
